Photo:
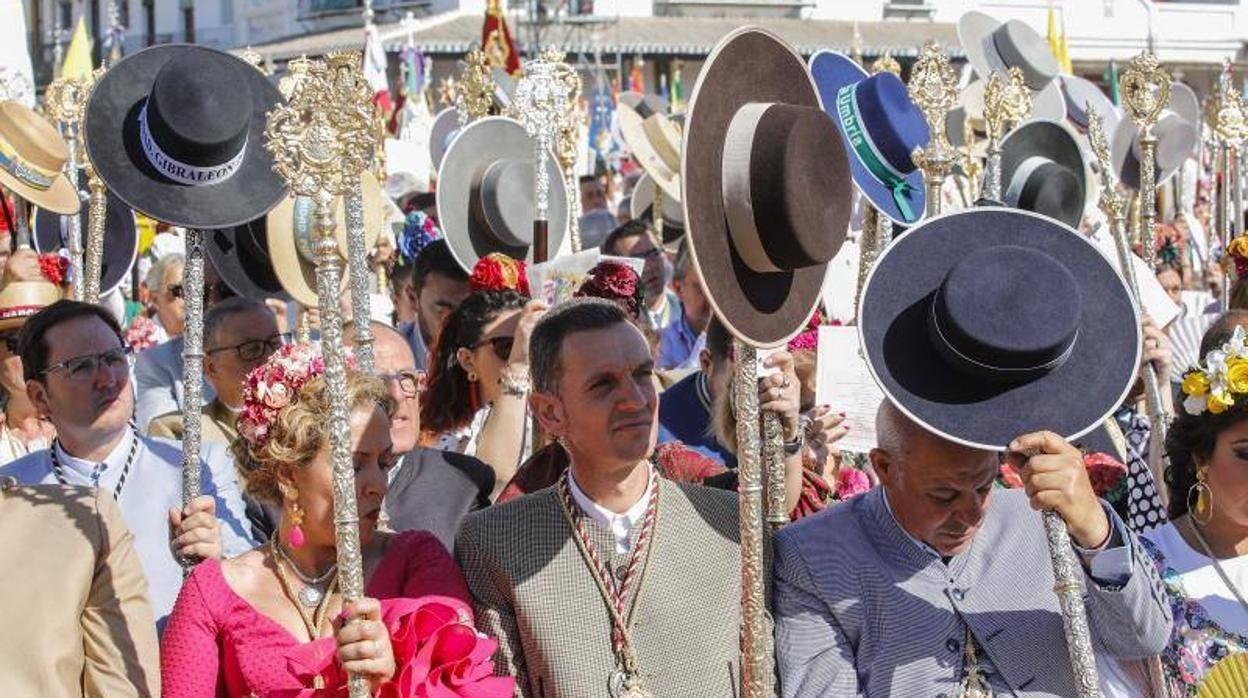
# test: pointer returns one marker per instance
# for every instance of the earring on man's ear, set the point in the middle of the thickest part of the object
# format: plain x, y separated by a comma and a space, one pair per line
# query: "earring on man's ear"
1202, 512
472, 376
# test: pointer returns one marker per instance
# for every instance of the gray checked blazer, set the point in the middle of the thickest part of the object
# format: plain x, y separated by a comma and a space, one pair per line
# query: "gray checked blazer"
862, 610
533, 592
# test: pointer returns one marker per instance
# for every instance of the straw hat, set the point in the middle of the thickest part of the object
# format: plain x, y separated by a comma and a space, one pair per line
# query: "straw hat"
21, 299
32, 157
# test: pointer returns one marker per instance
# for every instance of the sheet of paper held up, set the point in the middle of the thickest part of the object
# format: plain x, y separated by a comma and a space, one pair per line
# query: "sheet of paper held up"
844, 382
1153, 298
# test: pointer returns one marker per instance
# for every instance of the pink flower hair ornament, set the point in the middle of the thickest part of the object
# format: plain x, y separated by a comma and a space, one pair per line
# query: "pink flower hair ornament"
275, 384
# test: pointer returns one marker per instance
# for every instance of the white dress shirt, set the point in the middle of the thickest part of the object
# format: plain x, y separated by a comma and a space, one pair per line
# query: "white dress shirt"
620, 525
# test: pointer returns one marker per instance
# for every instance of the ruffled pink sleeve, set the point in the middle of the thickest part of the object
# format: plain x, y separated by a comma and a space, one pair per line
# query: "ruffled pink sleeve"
436, 653
416, 565
189, 655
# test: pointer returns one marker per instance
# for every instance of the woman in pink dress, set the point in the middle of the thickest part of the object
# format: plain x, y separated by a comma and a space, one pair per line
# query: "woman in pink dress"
271, 622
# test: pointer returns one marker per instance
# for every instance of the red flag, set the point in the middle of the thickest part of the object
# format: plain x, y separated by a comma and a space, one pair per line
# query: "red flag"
496, 41
636, 82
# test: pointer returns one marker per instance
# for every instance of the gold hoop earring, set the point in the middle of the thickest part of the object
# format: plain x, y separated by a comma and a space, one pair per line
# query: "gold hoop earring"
1202, 512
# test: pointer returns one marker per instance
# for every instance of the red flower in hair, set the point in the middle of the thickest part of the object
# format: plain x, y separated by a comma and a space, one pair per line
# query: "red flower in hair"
498, 272
54, 268
616, 282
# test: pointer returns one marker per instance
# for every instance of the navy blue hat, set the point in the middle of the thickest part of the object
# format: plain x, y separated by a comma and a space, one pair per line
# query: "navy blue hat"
989, 323
880, 128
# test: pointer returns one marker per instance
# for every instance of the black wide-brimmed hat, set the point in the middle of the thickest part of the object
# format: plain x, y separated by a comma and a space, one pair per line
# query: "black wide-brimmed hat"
485, 193
1042, 170
121, 238
767, 187
177, 131
242, 260
989, 323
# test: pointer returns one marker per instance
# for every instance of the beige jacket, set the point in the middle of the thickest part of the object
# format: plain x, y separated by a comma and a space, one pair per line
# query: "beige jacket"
75, 620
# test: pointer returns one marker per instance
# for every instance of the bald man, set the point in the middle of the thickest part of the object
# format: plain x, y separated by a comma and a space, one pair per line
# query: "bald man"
881, 596
430, 489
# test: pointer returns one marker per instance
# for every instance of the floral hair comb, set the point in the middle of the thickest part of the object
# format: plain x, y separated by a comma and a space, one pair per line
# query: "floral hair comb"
419, 229
273, 385
1214, 384
616, 282
498, 272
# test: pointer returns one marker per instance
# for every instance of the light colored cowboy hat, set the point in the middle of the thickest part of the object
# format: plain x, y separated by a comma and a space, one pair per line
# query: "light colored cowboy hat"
289, 230
32, 157
994, 46
641, 205
485, 193
654, 140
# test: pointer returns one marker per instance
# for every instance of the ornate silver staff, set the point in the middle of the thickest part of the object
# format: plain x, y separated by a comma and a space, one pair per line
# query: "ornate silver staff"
542, 100
933, 87
320, 146
1228, 124
354, 93
1145, 92
756, 644
1006, 103
97, 216
64, 100
192, 360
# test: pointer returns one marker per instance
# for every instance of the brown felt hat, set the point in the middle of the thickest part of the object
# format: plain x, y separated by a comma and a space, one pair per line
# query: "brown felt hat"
767, 186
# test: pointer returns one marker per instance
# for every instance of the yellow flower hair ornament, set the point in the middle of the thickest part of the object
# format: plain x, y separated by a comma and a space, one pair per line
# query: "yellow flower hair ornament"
1220, 379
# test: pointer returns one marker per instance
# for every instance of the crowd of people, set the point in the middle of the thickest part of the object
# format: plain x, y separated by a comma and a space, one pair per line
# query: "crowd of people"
549, 486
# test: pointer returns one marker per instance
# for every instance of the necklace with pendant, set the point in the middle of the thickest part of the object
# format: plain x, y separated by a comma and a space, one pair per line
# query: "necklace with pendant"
313, 590
973, 684
625, 681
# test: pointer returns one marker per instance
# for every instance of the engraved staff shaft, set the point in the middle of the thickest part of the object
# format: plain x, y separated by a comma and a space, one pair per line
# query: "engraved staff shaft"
321, 142
1006, 102
192, 362
1115, 208
1068, 584
357, 260
756, 641
64, 100
97, 215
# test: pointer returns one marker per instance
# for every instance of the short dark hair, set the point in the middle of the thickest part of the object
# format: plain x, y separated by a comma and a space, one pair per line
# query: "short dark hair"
718, 340
216, 316
33, 343
634, 228
546, 342
436, 258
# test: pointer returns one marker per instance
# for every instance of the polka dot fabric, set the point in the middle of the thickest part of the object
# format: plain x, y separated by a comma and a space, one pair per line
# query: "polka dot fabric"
1144, 509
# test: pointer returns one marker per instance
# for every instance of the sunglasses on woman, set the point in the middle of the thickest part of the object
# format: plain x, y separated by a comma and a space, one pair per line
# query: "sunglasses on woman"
500, 345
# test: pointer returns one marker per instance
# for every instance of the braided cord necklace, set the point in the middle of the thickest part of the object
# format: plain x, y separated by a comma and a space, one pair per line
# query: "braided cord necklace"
624, 682
58, 470
312, 618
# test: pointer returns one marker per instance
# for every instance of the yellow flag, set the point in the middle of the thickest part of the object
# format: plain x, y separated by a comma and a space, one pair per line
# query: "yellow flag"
1063, 57
78, 57
1055, 42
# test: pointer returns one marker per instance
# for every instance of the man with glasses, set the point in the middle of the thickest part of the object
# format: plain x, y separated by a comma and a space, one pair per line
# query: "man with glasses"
158, 371
430, 489
239, 334
78, 376
638, 240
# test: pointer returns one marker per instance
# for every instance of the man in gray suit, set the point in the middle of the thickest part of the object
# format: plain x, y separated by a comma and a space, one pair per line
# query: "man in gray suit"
613, 579
997, 337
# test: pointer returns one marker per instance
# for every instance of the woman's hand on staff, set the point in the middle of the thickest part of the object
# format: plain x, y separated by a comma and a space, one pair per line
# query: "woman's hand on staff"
1055, 478
1157, 350
519, 361
364, 642
781, 393
194, 531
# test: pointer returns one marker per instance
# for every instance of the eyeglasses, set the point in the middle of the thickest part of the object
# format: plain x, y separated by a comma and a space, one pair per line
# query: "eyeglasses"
253, 349
81, 367
412, 383
648, 254
500, 345
217, 291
